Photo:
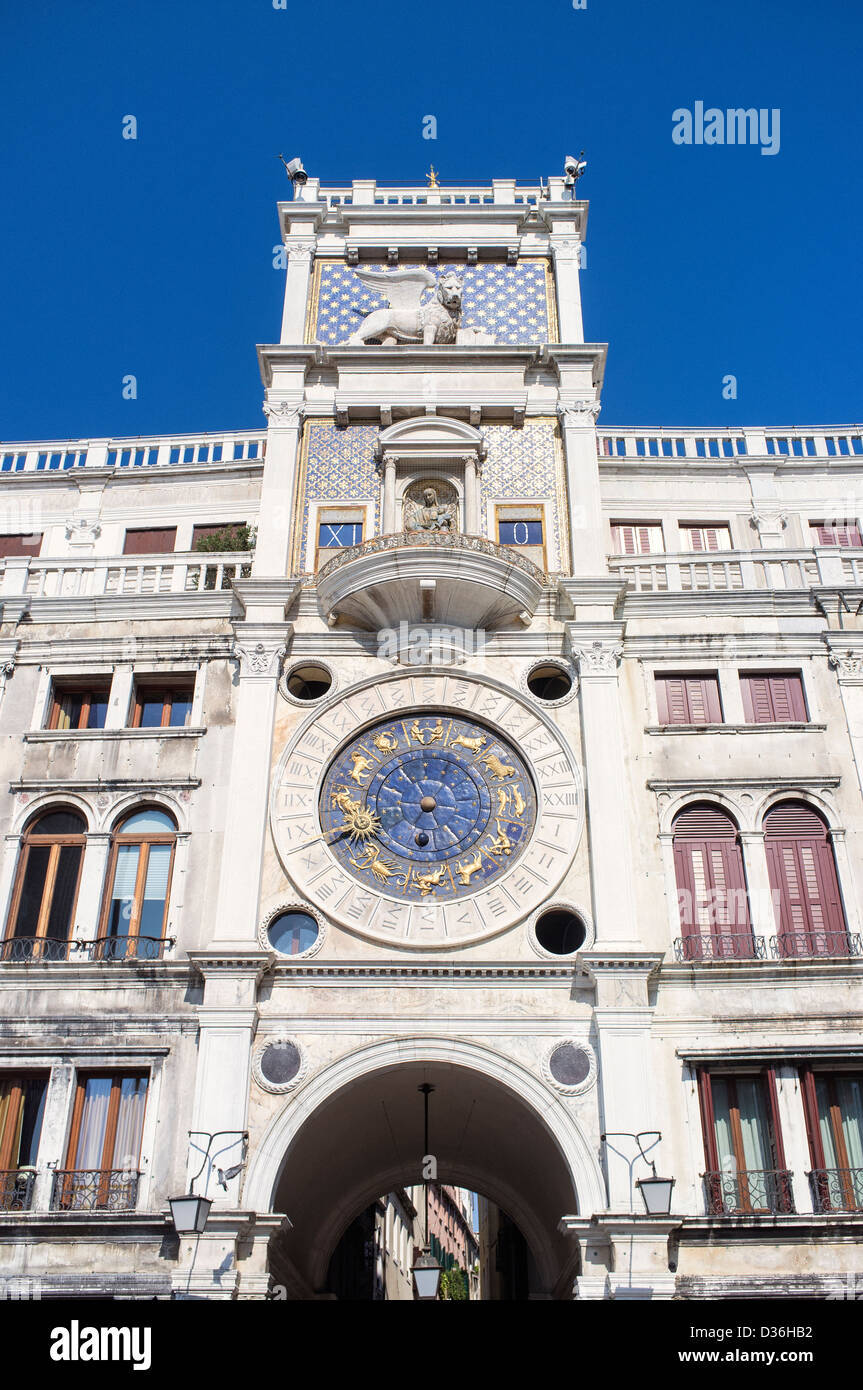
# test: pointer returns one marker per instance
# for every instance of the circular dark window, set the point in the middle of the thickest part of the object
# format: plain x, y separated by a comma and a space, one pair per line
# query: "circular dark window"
309, 682
549, 682
560, 931
569, 1065
291, 933
280, 1063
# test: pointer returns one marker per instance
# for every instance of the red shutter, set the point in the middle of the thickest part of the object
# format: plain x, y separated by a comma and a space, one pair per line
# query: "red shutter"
844, 533
802, 873
695, 538
757, 704
29, 544
673, 704
825, 535
708, 1121
711, 700
773, 698
710, 878
152, 541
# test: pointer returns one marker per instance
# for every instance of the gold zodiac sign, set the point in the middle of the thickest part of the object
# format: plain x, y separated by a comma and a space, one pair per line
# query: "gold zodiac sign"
435, 734
360, 822
502, 844
473, 866
385, 743
474, 744
361, 765
383, 869
503, 798
428, 882
496, 767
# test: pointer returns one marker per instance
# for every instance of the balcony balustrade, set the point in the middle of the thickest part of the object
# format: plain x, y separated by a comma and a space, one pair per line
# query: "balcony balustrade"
749, 1192
160, 451
808, 945
731, 571
16, 1189
720, 946
837, 1189
94, 1189
121, 576
25, 950
419, 576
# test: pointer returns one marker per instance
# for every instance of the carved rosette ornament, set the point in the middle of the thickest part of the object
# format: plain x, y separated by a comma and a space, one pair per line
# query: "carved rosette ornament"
259, 659
599, 659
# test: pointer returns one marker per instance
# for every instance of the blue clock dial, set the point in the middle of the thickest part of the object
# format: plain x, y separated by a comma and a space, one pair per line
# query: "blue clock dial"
428, 806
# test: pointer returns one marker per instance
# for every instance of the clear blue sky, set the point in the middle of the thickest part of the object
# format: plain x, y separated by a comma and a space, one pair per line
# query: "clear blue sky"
153, 256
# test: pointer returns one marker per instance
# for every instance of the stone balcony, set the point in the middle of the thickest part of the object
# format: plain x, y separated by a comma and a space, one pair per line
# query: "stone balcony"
423, 577
727, 571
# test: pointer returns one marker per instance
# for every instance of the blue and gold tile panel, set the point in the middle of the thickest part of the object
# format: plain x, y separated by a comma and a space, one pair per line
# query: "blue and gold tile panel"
512, 302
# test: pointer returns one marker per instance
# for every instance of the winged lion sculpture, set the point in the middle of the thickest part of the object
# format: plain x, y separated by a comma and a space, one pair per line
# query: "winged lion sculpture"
406, 320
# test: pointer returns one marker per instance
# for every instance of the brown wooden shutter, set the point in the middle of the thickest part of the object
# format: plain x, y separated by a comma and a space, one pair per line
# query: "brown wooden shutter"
710, 878
204, 532
802, 872
688, 700
771, 699
29, 544
154, 540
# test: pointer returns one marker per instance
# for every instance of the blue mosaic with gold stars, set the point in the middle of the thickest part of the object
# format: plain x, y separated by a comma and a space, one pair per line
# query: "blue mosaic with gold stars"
427, 807
508, 301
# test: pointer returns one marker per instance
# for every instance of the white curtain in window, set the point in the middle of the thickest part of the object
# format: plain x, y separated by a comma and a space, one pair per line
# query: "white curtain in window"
94, 1119
130, 1120
123, 891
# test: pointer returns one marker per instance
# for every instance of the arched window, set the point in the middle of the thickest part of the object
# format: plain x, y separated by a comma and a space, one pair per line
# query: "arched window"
135, 910
803, 880
46, 887
711, 886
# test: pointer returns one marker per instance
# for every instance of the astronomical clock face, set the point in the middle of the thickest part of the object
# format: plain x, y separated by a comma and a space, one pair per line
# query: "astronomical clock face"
429, 807
427, 811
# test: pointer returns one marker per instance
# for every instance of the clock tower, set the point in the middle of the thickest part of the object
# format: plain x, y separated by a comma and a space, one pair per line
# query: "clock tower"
428, 691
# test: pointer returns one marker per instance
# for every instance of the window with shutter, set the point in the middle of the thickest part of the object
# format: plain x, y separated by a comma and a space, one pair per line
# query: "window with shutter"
637, 537
154, 540
805, 886
29, 544
697, 537
711, 885
688, 699
773, 698
836, 533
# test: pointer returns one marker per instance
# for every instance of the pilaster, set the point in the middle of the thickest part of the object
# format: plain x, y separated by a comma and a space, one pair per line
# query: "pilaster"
623, 1016
586, 524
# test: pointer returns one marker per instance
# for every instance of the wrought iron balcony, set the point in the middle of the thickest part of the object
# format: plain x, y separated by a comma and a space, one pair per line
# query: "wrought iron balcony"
24, 949
16, 1189
429, 577
808, 945
39, 949
837, 1189
734, 945
749, 1192
127, 947
94, 1190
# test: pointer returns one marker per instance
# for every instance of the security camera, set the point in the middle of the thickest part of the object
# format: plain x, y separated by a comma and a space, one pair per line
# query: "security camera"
573, 169
294, 169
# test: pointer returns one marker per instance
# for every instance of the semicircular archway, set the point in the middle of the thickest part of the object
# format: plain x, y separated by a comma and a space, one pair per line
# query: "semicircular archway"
356, 1131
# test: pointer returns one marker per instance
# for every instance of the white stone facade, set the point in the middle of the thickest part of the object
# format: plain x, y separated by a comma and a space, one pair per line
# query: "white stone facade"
462, 990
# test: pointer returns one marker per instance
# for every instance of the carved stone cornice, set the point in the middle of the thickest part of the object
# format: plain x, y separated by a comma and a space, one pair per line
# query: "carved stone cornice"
598, 659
